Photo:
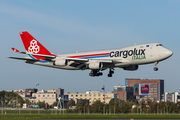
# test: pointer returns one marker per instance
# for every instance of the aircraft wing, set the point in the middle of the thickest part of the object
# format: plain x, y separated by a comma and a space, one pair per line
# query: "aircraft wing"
98, 60
82, 63
78, 60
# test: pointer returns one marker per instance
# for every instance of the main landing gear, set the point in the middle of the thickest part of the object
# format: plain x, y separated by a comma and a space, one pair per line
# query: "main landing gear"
156, 68
111, 71
94, 73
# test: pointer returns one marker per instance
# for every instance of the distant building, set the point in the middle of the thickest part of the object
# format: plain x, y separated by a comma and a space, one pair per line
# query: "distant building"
25, 94
85, 101
156, 88
171, 97
59, 92
31, 90
43, 96
122, 92
49, 96
92, 96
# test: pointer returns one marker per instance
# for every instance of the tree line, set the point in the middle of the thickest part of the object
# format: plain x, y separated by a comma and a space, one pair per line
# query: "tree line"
117, 106
13, 100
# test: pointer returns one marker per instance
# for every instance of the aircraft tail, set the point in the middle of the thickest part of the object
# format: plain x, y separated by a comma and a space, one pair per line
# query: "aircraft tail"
32, 46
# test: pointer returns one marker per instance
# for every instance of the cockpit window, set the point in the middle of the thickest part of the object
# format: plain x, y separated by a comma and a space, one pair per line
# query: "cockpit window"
159, 45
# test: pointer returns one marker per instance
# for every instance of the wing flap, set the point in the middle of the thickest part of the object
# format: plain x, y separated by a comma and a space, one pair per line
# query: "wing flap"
98, 60
78, 60
109, 60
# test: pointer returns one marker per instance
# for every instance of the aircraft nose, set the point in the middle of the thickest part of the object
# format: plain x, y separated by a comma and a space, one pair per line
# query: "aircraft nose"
167, 53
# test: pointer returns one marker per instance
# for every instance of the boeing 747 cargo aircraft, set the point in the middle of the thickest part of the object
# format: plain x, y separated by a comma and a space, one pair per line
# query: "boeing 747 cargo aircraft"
128, 58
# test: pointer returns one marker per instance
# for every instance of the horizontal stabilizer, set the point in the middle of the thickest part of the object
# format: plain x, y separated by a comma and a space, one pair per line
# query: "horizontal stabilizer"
35, 60
40, 55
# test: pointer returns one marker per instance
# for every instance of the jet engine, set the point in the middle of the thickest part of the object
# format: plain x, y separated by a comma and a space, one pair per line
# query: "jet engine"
131, 67
60, 62
95, 65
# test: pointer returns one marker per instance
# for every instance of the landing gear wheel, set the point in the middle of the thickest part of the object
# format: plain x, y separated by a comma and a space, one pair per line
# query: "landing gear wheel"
100, 73
94, 73
155, 69
110, 72
109, 75
90, 74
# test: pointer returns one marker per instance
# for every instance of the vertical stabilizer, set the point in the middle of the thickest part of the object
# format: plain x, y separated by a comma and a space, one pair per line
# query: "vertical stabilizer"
32, 46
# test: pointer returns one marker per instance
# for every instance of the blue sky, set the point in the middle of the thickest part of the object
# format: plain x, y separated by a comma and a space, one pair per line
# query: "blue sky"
66, 26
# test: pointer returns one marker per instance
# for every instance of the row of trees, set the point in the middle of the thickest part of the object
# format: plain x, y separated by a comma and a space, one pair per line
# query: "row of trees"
119, 106
13, 100
10, 99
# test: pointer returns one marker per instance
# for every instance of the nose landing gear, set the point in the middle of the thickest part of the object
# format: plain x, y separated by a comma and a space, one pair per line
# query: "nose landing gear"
110, 72
156, 68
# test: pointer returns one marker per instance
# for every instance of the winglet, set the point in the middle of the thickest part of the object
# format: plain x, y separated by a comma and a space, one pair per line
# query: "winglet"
15, 50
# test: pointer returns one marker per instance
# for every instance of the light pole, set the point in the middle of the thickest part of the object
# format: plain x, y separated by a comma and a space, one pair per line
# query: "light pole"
2, 105
38, 97
140, 107
37, 86
140, 104
63, 105
103, 88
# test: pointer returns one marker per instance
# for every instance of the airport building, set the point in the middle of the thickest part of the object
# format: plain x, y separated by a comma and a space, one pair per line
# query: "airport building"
171, 97
146, 89
92, 96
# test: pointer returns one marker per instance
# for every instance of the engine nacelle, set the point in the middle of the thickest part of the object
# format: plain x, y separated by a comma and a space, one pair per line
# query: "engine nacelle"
95, 65
131, 68
60, 62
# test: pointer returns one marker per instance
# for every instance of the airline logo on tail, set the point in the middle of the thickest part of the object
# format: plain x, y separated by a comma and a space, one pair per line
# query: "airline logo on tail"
33, 48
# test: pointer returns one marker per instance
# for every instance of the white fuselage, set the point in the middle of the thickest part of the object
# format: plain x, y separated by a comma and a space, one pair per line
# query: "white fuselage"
133, 55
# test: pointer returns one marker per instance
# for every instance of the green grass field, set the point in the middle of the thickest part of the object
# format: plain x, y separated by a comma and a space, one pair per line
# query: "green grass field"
91, 116
80, 119
56, 114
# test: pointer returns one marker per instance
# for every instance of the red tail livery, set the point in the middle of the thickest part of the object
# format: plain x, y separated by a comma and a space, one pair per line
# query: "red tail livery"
33, 46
